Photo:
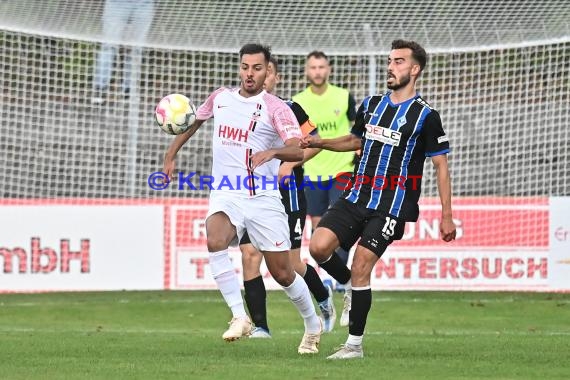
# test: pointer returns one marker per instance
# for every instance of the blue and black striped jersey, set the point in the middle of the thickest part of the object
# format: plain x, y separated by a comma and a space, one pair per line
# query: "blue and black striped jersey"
396, 139
293, 195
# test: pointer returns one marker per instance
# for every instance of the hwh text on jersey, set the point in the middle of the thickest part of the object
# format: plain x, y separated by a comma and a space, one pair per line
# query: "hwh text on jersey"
231, 133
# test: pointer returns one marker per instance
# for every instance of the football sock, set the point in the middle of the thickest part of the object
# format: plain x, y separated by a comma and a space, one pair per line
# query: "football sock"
336, 268
315, 284
227, 280
361, 303
255, 299
299, 293
343, 254
354, 340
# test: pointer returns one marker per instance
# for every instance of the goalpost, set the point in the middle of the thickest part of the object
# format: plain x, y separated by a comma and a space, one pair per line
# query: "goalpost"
498, 73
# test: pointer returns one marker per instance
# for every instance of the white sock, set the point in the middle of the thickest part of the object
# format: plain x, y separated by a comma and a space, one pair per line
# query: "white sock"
354, 340
299, 293
227, 280
348, 289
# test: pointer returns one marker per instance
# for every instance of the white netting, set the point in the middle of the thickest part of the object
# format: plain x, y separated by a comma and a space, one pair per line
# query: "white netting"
506, 111
498, 73
294, 27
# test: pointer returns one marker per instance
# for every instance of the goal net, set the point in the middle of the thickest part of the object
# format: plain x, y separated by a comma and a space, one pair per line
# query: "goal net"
497, 72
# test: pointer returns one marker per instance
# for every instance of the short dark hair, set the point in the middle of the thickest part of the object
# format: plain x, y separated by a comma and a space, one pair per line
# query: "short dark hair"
317, 54
255, 49
273, 60
418, 52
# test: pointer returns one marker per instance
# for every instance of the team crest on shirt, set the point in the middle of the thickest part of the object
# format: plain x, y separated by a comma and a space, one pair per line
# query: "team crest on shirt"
401, 121
337, 111
257, 113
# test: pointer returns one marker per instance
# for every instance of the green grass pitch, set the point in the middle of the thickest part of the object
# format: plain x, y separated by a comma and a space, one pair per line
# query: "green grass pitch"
177, 335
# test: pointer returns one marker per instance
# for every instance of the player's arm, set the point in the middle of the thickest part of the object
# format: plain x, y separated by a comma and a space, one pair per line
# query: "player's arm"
308, 154
204, 112
346, 143
286, 168
289, 152
437, 147
169, 163
287, 126
447, 227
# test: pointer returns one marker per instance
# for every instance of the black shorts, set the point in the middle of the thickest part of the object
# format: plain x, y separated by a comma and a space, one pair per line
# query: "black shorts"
321, 195
293, 199
350, 222
296, 209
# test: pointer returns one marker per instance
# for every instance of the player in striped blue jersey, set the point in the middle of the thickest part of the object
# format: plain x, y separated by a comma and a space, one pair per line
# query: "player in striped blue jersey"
396, 131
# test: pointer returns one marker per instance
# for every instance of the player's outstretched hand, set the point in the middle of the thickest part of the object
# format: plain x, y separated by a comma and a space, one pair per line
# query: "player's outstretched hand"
260, 158
310, 141
168, 167
447, 229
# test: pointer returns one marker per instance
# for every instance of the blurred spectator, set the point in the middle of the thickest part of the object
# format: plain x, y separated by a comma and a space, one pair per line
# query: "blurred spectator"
117, 16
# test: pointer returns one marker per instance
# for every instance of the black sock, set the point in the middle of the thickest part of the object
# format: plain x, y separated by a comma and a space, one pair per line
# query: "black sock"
255, 299
343, 254
315, 284
361, 303
337, 269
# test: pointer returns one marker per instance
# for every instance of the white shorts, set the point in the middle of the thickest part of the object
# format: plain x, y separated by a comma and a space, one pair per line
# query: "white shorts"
263, 217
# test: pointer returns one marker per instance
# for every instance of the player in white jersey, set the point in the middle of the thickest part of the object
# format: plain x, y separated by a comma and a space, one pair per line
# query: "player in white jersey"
253, 132
293, 199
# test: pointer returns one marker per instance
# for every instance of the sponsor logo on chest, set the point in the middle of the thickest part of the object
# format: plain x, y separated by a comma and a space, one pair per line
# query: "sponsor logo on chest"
231, 133
384, 135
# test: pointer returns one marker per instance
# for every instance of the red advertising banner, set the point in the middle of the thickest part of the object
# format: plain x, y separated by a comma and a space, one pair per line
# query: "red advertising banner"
502, 244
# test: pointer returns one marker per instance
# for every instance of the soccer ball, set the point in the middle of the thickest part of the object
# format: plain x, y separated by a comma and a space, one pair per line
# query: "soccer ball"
175, 113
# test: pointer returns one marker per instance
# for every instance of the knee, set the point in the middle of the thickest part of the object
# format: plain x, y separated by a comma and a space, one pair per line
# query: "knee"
284, 277
300, 267
320, 250
216, 244
248, 253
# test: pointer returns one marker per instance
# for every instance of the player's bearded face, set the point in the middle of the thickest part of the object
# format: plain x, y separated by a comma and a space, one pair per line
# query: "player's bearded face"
394, 82
317, 70
400, 67
253, 70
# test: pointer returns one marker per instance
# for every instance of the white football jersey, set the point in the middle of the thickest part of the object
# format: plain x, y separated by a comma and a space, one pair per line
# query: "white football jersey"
242, 127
